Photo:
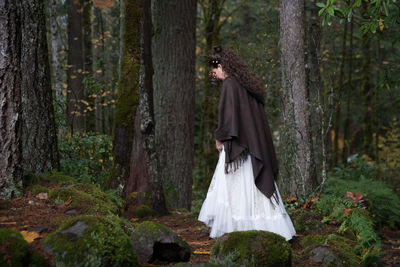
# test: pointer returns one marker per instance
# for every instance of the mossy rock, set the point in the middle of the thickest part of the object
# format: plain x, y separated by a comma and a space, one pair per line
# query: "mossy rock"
330, 250
251, 248
91, 241
307, 221
86, 198
153, 241
14, 248
142, 211
37, 188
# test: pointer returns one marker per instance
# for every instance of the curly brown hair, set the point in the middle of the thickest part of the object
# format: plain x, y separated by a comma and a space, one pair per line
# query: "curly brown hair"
234, 66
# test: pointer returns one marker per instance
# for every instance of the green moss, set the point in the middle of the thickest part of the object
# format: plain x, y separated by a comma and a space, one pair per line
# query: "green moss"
151, 227
312, 240
142, 211
57, 179
87, 198
13, 248
197, 264
252, 248
306, 221
342, 247
103, 243
36, 189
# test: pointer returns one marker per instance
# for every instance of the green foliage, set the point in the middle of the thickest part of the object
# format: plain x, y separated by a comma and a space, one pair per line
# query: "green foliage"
251, 248
383, 204
114, 197
306, 221
87, 157
103, 242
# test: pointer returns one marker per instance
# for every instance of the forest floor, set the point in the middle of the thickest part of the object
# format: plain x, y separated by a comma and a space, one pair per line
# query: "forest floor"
36, 218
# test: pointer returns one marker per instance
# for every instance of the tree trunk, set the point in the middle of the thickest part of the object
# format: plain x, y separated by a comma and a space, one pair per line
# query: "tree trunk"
28, 137
128, 94
296, 148
174, 86
366, 87
346, 137
75, 67
88, 66
315, 89
206, 153
58, 23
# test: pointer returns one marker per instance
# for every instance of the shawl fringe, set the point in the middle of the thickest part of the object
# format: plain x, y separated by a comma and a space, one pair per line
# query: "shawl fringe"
232, 166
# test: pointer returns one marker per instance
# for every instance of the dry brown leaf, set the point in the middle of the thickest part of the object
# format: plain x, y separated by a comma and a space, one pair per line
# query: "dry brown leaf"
197, 252
29, 236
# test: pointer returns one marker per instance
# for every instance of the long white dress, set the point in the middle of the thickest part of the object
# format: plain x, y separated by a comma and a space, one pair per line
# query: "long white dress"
234, 203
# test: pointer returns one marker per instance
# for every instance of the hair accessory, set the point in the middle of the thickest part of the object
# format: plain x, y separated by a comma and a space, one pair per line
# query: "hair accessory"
215, 62
217, 49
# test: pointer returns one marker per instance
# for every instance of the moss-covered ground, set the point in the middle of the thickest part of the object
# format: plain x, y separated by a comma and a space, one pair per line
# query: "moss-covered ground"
30, 213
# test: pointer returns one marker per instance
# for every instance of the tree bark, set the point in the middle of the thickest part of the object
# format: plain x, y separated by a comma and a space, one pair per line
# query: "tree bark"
128, 96
28, 137
75, 67
174, 86
206, 153
88, 113
58, 24
296, 148
315, 89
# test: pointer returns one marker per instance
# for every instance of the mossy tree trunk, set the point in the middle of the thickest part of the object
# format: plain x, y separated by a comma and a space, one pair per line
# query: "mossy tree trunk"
295, 163
28, 138
75, 67
174, 87
128, 90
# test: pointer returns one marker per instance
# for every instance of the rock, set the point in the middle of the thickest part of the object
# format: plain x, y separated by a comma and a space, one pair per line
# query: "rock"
157, 242
332, 250
75, 230
322, 254
307, 221
39, 230
42, 196
251, 248
85, 198
71, 211
91, 241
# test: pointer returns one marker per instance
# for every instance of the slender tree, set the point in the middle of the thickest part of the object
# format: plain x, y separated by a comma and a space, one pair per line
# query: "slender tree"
75, 66
28, 138
295, 147
174, 86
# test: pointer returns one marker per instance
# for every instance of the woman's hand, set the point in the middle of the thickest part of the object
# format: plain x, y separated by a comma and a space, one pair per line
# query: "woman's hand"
218, 145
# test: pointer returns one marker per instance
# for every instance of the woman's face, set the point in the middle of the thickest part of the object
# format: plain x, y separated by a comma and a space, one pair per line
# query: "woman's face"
218, 73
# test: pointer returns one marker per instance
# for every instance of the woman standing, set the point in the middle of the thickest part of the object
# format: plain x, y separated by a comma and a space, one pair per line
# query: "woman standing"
243, 194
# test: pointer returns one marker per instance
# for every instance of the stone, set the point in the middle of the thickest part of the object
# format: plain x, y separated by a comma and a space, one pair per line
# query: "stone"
322, 254
153, 241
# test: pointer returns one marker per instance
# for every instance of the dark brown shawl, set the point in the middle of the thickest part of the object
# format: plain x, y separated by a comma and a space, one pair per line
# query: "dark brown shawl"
243, 128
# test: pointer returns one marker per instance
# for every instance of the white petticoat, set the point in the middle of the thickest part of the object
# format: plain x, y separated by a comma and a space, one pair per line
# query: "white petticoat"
234, 203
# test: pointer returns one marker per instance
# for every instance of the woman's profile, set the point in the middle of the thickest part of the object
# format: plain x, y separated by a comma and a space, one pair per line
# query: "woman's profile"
243, 194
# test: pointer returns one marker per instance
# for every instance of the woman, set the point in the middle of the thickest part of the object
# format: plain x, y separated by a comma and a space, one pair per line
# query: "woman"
243, 194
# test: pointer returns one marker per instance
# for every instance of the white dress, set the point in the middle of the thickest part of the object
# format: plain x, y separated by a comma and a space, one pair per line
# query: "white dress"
234, 203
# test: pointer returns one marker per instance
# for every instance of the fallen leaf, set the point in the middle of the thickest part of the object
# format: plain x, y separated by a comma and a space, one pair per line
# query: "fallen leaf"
201, 252
29, 236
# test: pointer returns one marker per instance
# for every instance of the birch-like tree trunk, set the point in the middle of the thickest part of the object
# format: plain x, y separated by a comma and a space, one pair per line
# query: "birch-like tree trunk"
296, 146
174, 87
58, 35
28, 138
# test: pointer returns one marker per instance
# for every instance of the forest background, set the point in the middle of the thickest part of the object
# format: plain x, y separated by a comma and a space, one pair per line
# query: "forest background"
133, 110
